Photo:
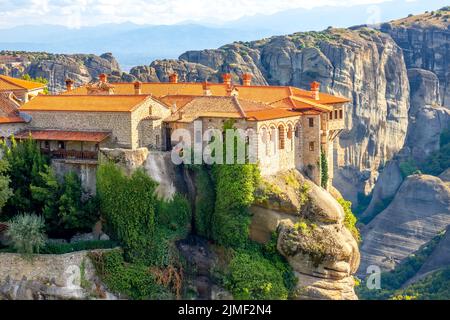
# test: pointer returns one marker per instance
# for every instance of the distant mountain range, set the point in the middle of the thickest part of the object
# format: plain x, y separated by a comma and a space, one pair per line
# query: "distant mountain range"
141, 44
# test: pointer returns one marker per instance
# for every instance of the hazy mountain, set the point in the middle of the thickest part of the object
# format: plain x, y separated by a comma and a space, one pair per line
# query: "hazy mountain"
134, 44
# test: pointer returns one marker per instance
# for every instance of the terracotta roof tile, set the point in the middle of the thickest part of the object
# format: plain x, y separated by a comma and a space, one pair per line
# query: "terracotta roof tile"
94, 103
62, 135
9, 112
11, 84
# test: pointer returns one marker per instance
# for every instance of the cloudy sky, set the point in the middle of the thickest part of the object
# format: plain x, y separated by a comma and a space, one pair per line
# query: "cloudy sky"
77, 13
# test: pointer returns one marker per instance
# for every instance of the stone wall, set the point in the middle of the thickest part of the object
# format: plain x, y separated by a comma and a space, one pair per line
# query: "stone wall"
117, 122
86, 170
47, 276
10, 128
144, 130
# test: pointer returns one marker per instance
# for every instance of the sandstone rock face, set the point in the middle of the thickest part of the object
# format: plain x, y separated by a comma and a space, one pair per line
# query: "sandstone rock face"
428, 119
419, 211
50, 277
425, 44
127, 158
81, 68
440, 258
321, 251
389, 180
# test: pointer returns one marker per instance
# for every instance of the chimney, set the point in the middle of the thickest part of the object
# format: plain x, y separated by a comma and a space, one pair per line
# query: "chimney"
69, 84
137, 87
206, 89
173, 78
246, 79
226, 79
315, 90
103, 78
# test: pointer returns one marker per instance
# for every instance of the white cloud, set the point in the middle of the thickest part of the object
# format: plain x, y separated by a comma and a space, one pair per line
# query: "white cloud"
76, 13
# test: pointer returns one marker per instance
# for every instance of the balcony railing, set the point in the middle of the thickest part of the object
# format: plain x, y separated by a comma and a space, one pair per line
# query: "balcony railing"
71, 154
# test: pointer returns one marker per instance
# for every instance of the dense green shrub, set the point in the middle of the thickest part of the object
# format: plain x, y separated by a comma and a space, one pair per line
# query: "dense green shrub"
254, 277
235, 187
61, 248
5, 190
26, 163
128, 204
350, 219
204, 202
66, 206
27, 233
174, 214
134, 280
323, 170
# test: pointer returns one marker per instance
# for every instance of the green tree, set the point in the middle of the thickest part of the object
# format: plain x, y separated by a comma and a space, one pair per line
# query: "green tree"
5, 190
128, 204
204, 202
350, 219
254, 277
26, 166
38, 80
27, 233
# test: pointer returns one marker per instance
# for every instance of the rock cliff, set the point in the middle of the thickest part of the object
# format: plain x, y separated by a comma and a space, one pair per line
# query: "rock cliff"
418, 212
425, 40
56, 68
322, 252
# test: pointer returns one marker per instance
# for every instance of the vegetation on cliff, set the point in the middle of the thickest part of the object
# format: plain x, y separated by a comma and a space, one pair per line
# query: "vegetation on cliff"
34, 188
392, 282
150, 266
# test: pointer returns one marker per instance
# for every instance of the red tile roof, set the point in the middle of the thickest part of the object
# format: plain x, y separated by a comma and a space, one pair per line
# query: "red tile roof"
62, 135
87, 103
12, 84
9, 112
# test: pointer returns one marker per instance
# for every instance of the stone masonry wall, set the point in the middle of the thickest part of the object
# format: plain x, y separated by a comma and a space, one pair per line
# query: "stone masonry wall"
117, 122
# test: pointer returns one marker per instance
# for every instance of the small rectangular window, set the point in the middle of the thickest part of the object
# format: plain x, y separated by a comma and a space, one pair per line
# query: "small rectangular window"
331, 115
341, 115
335, 114
311, 146
311, 122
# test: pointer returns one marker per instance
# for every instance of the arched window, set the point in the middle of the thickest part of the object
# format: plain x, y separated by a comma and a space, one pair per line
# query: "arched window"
281, 136
290, 137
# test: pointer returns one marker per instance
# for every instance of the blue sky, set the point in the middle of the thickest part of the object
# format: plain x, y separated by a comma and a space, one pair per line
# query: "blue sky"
77, 13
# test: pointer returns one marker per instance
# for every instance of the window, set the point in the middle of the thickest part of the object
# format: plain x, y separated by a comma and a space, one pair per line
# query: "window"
157, 140
335, 114
61, 145
280, 137
297, 131
47, 144
311, 122
331, 115
341, 115
311, 146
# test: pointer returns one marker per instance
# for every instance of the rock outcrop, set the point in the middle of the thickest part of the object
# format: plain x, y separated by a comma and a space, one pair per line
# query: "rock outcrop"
425, 41
419, 211
68, 276
56, 68
427, 118
322, 252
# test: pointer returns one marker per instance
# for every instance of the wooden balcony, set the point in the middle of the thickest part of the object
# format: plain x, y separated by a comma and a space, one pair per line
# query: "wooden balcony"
71, 154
